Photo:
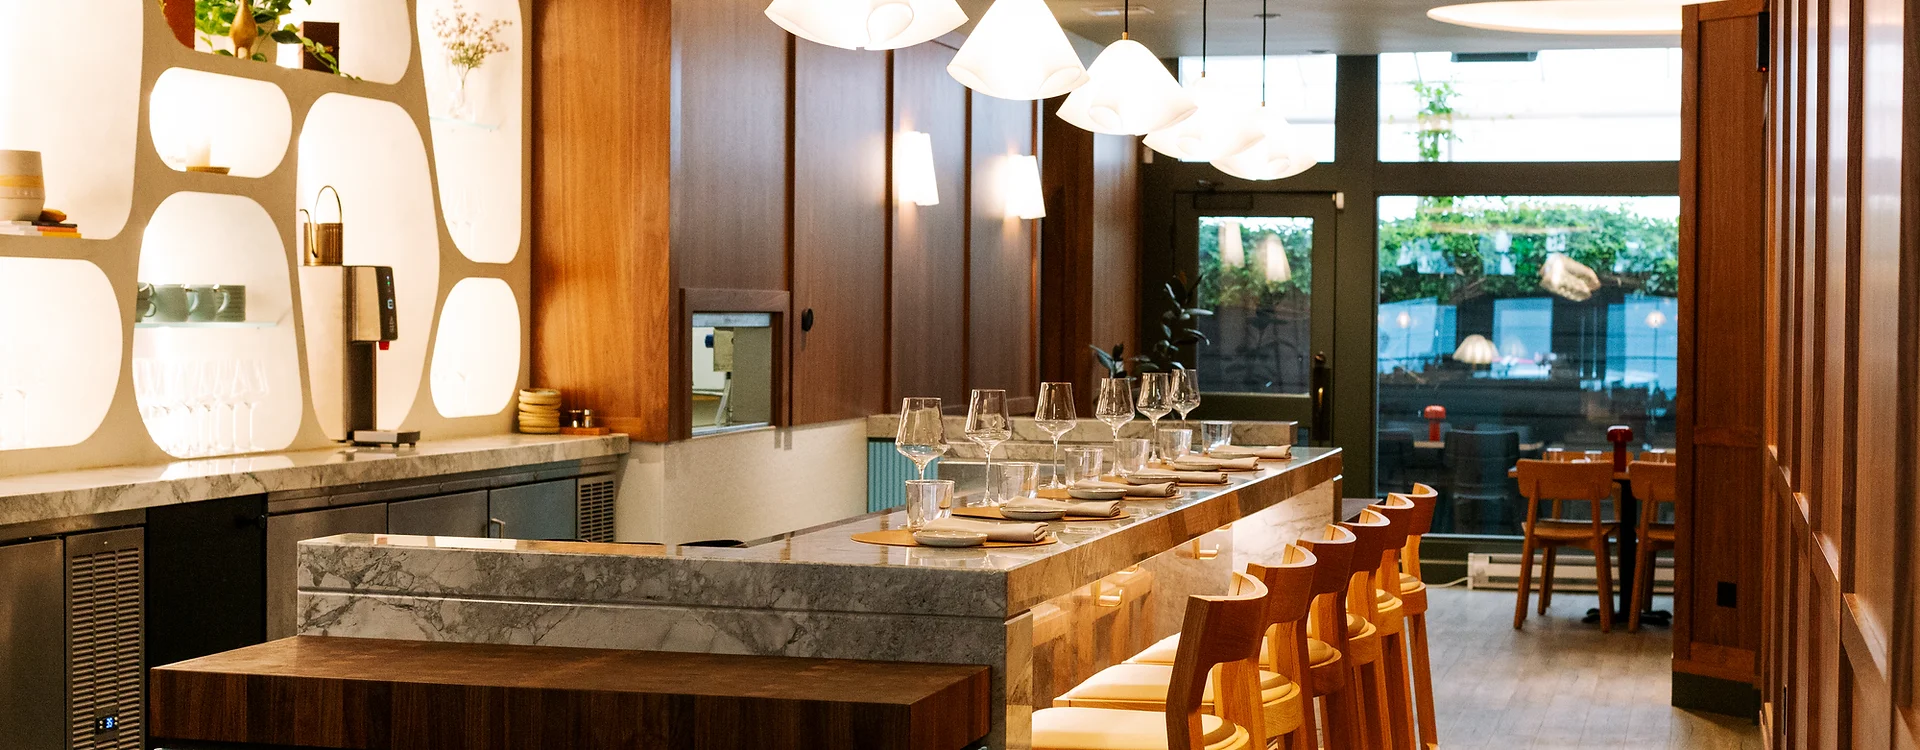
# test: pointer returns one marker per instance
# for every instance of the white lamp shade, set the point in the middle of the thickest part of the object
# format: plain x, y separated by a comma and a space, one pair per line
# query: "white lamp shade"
1018, 51
913, 177
1568, 278
1233, 254
1275, 155
1273, 256
1128, 92
1476, 350
1220, 126
1024, 198
1568, 16
869, 24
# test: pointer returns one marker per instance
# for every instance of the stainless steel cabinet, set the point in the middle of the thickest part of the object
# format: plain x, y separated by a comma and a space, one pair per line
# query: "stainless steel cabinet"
464, 514
284, 534
546, 510
33, 648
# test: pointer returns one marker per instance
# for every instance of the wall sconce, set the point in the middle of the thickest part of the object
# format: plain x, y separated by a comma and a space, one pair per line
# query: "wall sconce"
913, 169
1024, 198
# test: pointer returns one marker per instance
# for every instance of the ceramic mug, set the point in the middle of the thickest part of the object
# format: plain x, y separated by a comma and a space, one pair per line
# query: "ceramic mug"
143, 307
170, 303
205, 302
23, 193
233, 303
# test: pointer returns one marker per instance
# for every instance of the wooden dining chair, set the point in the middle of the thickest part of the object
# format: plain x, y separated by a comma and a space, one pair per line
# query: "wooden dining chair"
1413, 602
1223, 631
1556, 483
1143, 686
1653, 486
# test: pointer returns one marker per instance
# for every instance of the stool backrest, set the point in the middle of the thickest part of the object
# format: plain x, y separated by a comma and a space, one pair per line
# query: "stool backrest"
1373, 533
1289, 584
1587, 481
1224, 631
1427, 500
1401, 514
1333, 546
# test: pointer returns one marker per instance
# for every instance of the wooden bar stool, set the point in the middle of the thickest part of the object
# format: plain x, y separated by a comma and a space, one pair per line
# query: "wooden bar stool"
1142, 686
1225, 631
1653, 485
1558, 482
1375, 533
1390, 616
1413, 602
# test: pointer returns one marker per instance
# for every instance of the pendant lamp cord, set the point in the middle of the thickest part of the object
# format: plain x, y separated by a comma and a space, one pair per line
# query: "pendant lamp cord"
1264, 16
1203, 38
1126, 19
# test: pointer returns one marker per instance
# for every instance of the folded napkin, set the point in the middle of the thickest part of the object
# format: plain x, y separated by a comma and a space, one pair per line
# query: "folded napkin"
1075, 508
1157, 489
996, 531
1205, 463
1152, 476
1264, 452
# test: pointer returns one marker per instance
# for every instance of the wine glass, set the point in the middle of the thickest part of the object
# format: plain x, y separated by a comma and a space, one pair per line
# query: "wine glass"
1054, 413
922, 436
1115, 406
1156, 399
1186, 391
988, 425
249, 389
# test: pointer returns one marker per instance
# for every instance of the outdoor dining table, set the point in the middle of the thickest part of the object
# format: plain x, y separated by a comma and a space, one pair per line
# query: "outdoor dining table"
1629, 546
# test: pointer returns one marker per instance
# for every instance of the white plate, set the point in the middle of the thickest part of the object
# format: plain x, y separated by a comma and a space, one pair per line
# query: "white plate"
1018, 513
943, 538
1097, 493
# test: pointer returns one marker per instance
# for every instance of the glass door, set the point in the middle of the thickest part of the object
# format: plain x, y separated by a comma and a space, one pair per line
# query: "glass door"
1263, 263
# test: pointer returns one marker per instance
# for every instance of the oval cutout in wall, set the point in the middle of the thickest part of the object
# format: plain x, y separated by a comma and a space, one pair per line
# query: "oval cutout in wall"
476, 126
70, 78
476, 349
60, 341
200, 119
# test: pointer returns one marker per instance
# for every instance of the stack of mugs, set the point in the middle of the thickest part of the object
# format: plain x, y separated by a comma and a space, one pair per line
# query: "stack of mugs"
540, 411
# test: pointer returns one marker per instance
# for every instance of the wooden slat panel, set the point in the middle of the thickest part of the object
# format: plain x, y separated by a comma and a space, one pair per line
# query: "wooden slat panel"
929, 261
839, 232
1116, 244
1001, 335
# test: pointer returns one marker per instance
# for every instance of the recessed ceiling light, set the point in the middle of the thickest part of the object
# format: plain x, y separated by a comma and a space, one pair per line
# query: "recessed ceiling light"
1626, 17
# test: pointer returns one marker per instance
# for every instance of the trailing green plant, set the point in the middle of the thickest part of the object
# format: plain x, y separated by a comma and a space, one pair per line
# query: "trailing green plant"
214, 19
1117, 363
1435, 118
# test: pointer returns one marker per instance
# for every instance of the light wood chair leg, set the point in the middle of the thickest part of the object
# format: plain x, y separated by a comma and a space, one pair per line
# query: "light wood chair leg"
1399, 699
1342, 712
1307, 737
1642, 585
1422, 680
1546, 578
1603, 576
1526, 580
1374, 724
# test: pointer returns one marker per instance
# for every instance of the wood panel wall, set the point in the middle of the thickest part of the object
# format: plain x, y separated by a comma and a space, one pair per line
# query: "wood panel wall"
1842, 338
929, 268
1002, 261
1089, 293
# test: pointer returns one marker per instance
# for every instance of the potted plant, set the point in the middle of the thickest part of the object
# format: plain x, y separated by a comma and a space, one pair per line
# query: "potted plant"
251, 29
469, 39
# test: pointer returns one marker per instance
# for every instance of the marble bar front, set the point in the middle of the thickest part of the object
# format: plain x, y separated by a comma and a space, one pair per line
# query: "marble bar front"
1043, 618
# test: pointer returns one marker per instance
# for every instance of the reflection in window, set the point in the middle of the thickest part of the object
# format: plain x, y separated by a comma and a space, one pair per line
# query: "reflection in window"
1560, 105
1300, 85
1256, 276
1535, 323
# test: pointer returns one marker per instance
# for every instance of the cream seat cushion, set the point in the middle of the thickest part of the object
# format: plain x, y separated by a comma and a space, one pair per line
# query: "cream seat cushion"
1111, 729
1162, 652
1143, 687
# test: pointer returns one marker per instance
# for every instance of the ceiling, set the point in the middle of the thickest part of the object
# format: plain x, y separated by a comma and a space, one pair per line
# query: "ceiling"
1172, 29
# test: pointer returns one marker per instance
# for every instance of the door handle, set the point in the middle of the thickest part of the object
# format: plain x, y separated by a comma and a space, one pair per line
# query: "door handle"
1321, 382
492, 522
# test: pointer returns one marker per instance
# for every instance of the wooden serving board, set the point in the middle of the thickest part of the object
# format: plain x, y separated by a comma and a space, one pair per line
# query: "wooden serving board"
992, 513
904, 538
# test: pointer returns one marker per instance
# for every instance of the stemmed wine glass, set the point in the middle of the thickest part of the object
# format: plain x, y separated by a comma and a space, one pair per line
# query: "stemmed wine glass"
1054, 413
922, 436
250, 388
1186, 391
988, 424
1156, 399
1115, 406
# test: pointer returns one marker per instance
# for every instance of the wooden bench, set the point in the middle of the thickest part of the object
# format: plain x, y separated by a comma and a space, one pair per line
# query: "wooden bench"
364, 693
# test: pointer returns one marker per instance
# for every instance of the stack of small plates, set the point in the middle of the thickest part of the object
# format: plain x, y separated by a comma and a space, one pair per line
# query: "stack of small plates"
540, 411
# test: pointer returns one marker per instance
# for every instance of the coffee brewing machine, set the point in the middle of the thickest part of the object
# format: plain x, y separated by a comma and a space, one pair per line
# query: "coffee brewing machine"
350, 316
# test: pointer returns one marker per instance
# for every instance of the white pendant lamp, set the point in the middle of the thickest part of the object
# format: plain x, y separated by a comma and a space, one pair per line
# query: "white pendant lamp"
913, 178
1476, 350
1274, 257
1568, 278
1277, 153
1233, 254
1128, 91
867, 24
1024, 197
1611, 17
1018, 51
1219, 125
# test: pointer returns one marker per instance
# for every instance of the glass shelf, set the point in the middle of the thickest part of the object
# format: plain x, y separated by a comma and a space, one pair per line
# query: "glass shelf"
455, 121
207, 324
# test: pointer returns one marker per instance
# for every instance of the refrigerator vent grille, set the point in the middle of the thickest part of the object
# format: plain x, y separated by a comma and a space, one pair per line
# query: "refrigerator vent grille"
595, 503
104, 649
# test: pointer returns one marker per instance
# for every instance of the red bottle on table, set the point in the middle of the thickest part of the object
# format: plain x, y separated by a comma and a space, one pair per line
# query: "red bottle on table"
1434, 414
1619, 435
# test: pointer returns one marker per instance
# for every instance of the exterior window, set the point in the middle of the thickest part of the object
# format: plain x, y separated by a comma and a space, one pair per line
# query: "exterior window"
1301, 85
1562, 105
1259, 284
1536, 323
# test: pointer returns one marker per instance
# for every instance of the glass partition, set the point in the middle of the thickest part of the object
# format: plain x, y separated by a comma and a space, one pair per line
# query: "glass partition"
1509, 326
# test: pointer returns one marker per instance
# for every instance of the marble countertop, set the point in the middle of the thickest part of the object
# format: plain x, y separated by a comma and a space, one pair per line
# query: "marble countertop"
824, 562
40, 497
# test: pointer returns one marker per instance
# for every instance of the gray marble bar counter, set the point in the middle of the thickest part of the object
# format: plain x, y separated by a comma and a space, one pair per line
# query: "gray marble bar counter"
1041, 617
55, 495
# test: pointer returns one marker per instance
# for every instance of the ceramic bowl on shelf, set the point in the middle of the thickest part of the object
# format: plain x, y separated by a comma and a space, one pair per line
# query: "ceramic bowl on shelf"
23, 192
1032, 513
949, 538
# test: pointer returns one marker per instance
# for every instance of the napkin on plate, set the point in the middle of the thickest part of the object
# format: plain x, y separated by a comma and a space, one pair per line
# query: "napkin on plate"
996, 531
1157, 489
1263, 452
1153, 476
1204, 463
1075, 508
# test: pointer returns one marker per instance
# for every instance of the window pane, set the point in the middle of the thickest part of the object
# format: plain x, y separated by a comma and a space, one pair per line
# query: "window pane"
1301, 85
1565, 105
1536, 323
1256, 275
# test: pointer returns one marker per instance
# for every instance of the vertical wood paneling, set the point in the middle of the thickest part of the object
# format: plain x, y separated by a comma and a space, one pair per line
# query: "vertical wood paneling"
1116, 243
930, 242
1001, 311
839, 232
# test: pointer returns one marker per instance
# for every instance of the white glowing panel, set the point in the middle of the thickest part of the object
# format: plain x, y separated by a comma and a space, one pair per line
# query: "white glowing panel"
70, 78
476, 351
195, 124
477, 130
59, 351
202, 239
373, 36
371, 152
